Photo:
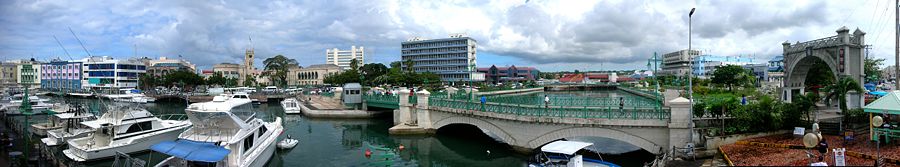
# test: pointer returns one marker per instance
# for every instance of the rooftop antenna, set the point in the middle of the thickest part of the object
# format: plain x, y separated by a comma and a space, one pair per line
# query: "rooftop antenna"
79, 41
61, 46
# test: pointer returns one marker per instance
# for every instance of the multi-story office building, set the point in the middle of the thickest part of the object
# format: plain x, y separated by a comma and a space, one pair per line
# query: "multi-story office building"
312, 75
678, 63
453, 58
29, 74
496, 74
61, 76
776, 64
342, 58
8, 74
228, 70
163, 66
705, 65
106, 74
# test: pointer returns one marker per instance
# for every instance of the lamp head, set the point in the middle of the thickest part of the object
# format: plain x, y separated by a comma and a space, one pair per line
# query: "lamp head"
692, 12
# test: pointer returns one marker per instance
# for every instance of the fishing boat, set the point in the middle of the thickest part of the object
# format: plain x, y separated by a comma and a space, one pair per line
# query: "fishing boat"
124, 129
225, 133
291, 106
564, 153
63, 114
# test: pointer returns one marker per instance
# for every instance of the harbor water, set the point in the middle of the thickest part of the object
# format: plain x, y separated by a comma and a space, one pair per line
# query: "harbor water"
343, 142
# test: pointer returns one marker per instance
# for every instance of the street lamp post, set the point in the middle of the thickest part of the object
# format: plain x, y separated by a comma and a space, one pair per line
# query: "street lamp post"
691, 77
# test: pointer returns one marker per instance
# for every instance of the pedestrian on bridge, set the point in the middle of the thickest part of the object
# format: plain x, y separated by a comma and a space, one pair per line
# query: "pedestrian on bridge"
546, 101
483, 100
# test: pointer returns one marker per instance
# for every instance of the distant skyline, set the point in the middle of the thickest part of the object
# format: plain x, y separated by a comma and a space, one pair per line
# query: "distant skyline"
549, 35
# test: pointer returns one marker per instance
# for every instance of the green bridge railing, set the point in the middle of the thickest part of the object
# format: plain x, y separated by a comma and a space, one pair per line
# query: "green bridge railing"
555, 111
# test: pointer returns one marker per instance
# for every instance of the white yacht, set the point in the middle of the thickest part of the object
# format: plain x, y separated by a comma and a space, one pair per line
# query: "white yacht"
225, 133
64, 113
14, 102
129, 95
565, 154
291, 106
81, 94
123, 129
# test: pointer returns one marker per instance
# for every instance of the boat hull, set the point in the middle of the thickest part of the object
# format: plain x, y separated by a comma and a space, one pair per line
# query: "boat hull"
264, 157
57, 137
42, 128
139, 144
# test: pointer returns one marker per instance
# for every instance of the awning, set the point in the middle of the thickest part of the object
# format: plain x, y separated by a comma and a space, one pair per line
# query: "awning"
565, 147
887, 104
192, 150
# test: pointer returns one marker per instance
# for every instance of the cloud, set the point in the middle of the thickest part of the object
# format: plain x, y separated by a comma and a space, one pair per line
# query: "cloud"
556, 34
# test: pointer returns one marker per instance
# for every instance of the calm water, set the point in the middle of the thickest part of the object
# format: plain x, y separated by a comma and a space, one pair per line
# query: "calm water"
342, 142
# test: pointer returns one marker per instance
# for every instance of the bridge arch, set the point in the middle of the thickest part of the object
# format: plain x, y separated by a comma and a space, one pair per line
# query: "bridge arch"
481, 124
800, 67
595, 132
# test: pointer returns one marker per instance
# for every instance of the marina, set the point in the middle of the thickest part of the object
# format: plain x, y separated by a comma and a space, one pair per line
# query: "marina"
342, 142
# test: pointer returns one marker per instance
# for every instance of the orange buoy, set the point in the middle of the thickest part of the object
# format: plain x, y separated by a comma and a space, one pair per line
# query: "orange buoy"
401, 147
368, 153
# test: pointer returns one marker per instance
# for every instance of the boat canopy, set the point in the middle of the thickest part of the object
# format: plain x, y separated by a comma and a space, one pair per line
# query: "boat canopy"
192, 150
565, 147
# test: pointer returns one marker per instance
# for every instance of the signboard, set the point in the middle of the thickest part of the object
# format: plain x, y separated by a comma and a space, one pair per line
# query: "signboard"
799, 131
839, 157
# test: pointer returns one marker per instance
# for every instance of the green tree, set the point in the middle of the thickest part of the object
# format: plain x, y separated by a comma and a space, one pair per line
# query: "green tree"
216, 79
279, 66
148, 81
731, 75
372, 71
839, 90
409, 65
805, 103
231, 82
873, 72
187, 79
249, 81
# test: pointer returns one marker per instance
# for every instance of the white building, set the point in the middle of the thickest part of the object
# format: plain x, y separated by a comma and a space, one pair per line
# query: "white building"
108, 74
677, 63
452, 58
342, 58
705, 65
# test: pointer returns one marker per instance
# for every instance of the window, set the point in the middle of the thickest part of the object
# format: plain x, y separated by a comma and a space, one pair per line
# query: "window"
139, 127
248, 143
262, 130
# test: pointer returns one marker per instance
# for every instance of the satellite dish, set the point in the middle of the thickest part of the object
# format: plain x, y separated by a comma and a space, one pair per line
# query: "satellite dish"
810, 140
877, 121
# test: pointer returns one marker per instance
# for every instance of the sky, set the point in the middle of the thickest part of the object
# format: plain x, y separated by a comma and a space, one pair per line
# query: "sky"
549, 35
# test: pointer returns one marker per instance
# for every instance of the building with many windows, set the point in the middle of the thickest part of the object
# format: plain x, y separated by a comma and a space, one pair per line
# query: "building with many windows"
496, 74
228, 70
342, 58
8, 74
312, 75
61, 76
163, 66
678, 63
705, 65
106, 74
453, 58
29, 73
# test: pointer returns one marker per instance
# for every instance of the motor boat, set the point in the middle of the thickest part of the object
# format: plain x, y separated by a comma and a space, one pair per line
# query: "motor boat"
71, 129
11, 107
124, 129
130, 96
63, 114
291, 106
81, 94
288, 143
564, 153
225, 132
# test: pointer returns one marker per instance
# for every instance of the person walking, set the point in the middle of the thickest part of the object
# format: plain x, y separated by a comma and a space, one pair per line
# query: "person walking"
546, 101
483, 100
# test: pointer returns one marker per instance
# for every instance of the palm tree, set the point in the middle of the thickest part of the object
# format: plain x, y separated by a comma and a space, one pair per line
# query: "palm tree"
806, 103
839, 91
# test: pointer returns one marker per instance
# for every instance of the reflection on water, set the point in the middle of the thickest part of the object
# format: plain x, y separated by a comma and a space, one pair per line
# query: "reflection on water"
342, 142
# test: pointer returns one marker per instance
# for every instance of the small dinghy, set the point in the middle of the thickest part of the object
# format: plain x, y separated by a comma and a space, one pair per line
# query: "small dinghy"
288, 143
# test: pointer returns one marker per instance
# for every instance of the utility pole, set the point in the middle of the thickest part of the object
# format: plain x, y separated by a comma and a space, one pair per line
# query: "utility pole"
691, 77
897, 45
